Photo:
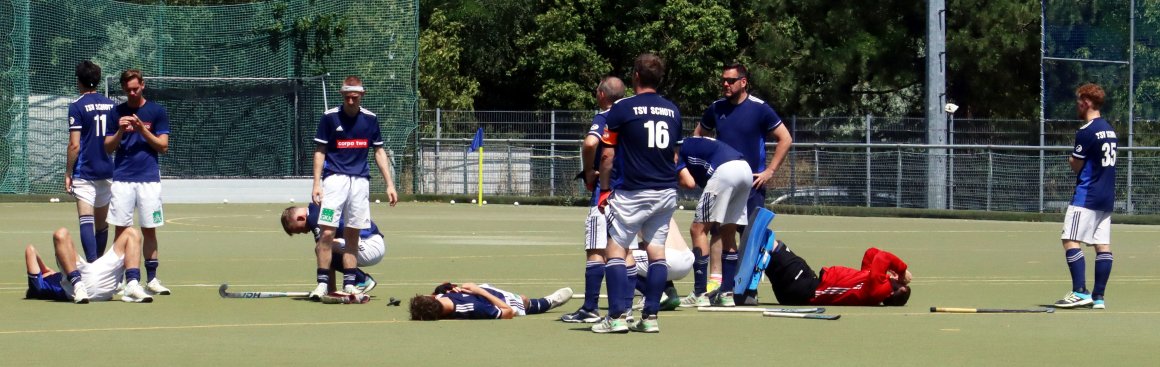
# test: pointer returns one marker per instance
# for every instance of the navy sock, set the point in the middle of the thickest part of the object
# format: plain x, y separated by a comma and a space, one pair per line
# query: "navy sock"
323, 275
728, 271
631, 286
1076, 264
74, 277
658, 275
150, 269
88, 238
1103, 271
360, 276
593, 276
538, 306
616, 276
133, 274
348, 276
102, 240
700, 271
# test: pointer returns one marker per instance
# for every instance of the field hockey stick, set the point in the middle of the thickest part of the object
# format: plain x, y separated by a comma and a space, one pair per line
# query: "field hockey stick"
227, 294
992, 310
813, 316
762, 309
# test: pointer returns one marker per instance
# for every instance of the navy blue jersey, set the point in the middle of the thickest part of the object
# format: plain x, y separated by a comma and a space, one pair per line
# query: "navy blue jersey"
89, 115
1095, 184
312, 223
597, 130
644, 129
744, 127
135, 160
703, 155
473, 307
347, 140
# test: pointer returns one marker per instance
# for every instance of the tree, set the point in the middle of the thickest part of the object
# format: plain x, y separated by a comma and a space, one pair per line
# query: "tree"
440, 82
558, 53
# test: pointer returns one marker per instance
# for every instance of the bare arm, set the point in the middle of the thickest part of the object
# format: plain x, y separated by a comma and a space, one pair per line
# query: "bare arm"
686, 179
384, 164
74, 149
505, 311
112, 142
159, 143
784, 141
587, 158
699, 131
1075, 163
319, 159
606, 168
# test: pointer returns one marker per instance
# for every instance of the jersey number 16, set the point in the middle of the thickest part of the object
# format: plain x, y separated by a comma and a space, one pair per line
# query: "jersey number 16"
658, 134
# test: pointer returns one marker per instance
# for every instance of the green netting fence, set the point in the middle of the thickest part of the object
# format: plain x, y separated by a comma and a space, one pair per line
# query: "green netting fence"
244, 85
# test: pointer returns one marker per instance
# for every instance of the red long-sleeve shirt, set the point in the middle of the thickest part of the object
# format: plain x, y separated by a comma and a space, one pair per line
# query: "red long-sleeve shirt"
842, 286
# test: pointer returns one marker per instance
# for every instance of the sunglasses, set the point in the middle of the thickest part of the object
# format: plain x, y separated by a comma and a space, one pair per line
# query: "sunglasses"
730, 80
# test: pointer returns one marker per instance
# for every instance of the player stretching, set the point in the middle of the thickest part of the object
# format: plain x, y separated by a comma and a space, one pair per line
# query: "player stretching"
643, 131
371, 246
609, 91
142, 133
1089, 216
89, 170
342, 181
481, 302
726, 178
744, 122
82, 281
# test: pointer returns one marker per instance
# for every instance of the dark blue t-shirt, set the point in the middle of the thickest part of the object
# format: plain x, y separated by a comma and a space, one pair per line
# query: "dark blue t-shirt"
472, 307
312, 223
597, 130
89, 115
135, 160
744, 127
347, 140
1095, 184
702, 156
645, 129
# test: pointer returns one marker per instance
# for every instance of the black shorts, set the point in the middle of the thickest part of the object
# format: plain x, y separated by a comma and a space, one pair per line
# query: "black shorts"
793, 281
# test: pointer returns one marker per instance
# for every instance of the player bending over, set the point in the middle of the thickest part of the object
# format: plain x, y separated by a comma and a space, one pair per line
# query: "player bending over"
883, 279
481, 302
81, 281
371, 245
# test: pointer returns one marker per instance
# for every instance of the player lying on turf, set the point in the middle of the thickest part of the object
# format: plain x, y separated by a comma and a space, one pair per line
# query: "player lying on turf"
883, 279
371, 245
478, 302
81, 281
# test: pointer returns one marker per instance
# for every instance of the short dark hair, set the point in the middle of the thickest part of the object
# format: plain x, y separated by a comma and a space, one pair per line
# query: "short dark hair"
742, 71
88, 74
286, 214
900, 295
650, 70
131, 74
425, 308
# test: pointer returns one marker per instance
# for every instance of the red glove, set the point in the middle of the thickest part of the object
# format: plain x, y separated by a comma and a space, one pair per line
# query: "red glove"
603, 200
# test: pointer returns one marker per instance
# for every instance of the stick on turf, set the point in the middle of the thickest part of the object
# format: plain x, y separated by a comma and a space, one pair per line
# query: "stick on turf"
227, 294
792, 315
992, 310
762, 309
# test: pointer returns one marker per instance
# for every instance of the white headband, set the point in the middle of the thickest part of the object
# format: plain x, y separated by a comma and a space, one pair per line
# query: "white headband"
352, 88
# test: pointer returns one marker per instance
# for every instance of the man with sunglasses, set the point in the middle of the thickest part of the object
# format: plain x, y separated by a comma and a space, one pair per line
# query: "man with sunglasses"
743, 122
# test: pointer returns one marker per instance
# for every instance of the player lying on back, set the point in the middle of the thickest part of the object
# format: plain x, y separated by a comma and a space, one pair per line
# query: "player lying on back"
470, 301
371, 245
80, 281
883, 279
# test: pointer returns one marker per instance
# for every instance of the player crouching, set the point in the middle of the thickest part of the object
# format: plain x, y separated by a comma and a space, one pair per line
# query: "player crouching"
80, 281
371, 248
481, 302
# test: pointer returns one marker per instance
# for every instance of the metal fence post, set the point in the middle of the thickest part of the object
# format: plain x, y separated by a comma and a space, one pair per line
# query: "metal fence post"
438, 152
792, 157
1042, 136
817, 162
990, 176
465, 160
868, 118
898, 181
951, 163
511, 191
552, 154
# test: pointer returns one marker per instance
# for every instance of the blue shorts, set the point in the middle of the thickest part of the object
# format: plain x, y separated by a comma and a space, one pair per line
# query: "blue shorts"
756, 200
46, 288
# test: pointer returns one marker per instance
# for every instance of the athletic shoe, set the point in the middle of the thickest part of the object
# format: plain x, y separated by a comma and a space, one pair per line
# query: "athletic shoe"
559, 297
581, 316
318, 292
135, 294
367, 285
1074, 299
646, 325
154, 286
611, 325
669, 303
695, 300
1098, 304
80, 294
628, 318
350, 289
724, 299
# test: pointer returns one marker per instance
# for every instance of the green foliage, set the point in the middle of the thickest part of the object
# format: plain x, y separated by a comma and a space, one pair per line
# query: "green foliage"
315, 37
564, 63
134, 49
441, 85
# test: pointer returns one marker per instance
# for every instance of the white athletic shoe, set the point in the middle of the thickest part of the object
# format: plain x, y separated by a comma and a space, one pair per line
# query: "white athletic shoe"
559, 297
80, 294
154, 287
135, 294
350, 289
318, 292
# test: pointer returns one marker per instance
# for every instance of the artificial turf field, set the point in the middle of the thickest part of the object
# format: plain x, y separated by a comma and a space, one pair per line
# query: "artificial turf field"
534, 250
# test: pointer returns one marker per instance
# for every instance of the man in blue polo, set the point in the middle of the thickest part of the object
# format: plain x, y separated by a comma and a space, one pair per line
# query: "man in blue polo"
342, 181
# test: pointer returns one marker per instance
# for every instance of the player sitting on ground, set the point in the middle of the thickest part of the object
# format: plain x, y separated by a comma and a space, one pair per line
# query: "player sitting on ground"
481, 302
81, 281
371, 245
882, 280
680, 260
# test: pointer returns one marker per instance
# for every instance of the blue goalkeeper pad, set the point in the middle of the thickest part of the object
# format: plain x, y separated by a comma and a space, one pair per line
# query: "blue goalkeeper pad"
756, 244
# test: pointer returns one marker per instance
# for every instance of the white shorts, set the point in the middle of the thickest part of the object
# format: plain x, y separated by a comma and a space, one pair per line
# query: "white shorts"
514, 300
345, 197
96, 193
725, 196
680, 263
595, 230
645, 212
1092, 227
101, 278
370, 250
143, 196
